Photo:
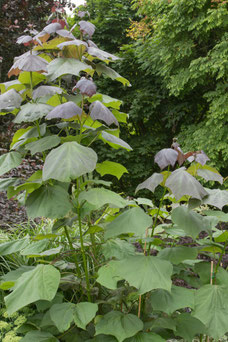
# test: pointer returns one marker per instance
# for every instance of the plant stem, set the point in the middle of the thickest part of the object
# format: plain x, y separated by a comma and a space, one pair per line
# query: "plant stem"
84, 255
72, 247
31, 85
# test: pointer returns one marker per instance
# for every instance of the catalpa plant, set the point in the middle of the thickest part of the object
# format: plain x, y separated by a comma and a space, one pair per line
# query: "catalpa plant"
85, 279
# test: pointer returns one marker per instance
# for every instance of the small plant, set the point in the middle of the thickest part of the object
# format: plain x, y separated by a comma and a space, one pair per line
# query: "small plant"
110, 269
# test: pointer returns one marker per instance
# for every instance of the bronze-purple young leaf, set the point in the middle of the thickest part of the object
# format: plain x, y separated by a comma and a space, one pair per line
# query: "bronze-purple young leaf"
65, 33
86, 87
86, 27
151, 183
166, 157
100, 54
45, 91
98, 111
29, 63
24, 39
182, 183
65, 111
52, 28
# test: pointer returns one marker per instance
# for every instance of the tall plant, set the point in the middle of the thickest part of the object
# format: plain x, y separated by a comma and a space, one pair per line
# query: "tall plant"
87, 281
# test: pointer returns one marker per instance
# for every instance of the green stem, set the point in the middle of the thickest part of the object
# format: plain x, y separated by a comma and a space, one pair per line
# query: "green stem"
72, 247
31, 85
84, 255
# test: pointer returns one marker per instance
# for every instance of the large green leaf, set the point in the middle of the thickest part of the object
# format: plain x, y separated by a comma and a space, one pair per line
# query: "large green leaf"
152, 273
119, 325
24, 78
111, 168
107, 276
6, 182
178, 254
118, 249
40, 283
168, 302
103, 69
216, 197
39, 336
62, 315
48, 201
35, 248
102, 338
192, 223
32, 111
13, 246
211, 308
145, 337
84, 312
10, 100
43, 144
188, 327
100, 196
69, 161
62, 66
222, 217
182, 183
134, 220
8, 161
209, 174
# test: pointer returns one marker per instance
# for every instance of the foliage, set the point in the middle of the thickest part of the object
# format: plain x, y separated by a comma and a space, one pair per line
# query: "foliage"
84, 280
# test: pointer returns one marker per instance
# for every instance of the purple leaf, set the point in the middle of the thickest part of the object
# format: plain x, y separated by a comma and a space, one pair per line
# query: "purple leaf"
45, 90
86, 27
182, 183
81, 14
29, 63
52, 28
65, 33
201, 157
98, 111
100, 54
10, 100
150, 183
76, 42
65, 111
24, 39
92, 44
166, 157
86, 87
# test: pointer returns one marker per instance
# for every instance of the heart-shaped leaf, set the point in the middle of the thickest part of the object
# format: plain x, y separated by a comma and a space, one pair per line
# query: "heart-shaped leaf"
166, 157
39, 336
86, 87
151, 183
68, 162
188, 327
43, 144
216, 197
28, 63
32, 111
86, 27
83, 313
104, 69
119, 325
46, 90
9, 161
134, 220
211, 308
192, 223
168, 302
100, 196
39, 284
10, 100
182, 183
64, 111
114, 141
98, 111
111, 168
62, 315
102, 55
118, 249
63, 66
48, 201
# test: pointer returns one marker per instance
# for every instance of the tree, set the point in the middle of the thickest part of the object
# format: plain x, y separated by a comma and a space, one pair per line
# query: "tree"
187, 49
